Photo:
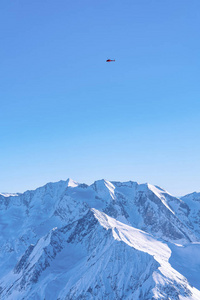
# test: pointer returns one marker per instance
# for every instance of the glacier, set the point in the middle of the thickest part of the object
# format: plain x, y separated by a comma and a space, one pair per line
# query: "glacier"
107, 240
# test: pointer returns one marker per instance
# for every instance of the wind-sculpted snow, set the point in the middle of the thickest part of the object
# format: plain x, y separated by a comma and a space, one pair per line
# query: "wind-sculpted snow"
109, 240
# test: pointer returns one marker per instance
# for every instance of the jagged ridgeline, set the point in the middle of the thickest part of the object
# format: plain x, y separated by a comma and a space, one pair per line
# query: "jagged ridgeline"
109, 240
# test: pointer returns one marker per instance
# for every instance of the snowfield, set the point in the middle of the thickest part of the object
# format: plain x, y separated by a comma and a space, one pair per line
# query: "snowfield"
109, 240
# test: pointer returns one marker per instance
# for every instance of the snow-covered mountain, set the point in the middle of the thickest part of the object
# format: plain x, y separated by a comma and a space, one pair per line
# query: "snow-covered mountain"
109, 240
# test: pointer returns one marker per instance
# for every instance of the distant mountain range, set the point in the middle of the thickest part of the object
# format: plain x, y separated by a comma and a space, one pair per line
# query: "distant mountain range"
108, 240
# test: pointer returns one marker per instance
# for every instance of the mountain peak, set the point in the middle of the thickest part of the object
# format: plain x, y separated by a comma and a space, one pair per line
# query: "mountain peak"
192, 196
71, 183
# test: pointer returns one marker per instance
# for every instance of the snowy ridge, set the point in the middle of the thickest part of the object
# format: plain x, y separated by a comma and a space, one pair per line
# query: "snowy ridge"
146, 243
158, 193
9, 194
109, 240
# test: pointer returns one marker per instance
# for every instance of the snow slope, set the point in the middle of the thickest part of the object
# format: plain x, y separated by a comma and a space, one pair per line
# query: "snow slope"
109, 240
193, 202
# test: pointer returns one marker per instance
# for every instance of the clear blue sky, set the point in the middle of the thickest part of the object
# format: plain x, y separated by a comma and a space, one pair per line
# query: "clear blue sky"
65, 112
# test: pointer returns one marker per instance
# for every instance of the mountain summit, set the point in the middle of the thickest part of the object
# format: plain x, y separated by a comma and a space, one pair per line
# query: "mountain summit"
108, 240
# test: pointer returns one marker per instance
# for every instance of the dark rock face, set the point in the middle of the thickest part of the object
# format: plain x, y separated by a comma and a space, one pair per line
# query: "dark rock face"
21, 264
